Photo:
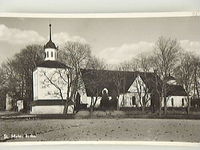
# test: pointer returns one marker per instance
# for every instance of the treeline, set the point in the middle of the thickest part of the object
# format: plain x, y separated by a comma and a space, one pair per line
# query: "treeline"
167, 57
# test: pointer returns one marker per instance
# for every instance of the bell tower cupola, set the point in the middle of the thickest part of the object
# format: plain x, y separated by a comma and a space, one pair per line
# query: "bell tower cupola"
51, 51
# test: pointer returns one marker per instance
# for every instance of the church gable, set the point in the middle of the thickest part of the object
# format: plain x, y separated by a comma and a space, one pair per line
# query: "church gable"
137, 86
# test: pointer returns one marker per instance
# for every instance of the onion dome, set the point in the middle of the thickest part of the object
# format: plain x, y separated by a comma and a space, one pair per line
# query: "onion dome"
50, 44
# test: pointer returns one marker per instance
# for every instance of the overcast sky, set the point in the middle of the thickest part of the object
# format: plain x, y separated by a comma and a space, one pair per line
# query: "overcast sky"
114, 40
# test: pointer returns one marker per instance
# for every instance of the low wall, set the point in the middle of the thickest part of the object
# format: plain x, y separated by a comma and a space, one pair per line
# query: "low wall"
171, 114
55, 109
112, 114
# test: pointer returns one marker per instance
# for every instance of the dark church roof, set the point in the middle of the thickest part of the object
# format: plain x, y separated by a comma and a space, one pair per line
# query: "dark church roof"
114, 80
50, 44
96, 80
175, 90
52, 64
99, 79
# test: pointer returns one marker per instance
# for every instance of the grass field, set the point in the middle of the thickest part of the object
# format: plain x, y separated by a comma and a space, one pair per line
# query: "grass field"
103, 129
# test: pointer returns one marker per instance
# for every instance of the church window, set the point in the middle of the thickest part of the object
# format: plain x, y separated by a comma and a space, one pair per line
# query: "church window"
51, 54
133, 100
172, 101
105, 91
47, 54
183, 102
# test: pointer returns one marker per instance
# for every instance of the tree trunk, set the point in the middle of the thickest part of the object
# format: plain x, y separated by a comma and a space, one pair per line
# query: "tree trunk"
70, 99
165, 106
65, 110
143, 108
196, 82
91, 105
188, 107
160, 111
118, 108
165, 98
160, 105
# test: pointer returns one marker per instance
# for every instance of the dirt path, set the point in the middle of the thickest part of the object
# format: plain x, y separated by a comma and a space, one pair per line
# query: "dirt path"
103, 129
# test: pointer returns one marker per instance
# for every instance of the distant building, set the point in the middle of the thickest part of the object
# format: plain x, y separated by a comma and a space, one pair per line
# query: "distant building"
49, 89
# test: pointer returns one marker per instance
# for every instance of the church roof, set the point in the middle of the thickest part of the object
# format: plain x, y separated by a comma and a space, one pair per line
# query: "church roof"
50, 44
175, 90
52, 64
100, 79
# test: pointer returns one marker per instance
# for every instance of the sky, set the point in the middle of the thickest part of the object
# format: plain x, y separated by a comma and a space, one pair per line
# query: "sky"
113, 39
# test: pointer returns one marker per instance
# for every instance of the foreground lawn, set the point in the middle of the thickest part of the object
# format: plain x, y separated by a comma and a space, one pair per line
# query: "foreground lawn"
103, 129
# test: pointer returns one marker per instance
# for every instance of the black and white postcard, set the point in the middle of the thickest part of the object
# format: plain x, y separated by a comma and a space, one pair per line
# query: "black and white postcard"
100, 79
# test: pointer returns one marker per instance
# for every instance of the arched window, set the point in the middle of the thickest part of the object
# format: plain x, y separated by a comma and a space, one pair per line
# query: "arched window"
47, 54
105, 91
51, 54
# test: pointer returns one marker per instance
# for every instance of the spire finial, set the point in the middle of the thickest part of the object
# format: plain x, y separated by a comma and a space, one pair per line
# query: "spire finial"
50, 32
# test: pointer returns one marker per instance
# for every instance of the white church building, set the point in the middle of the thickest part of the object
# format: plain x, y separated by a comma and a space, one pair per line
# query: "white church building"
135, 89
49, 89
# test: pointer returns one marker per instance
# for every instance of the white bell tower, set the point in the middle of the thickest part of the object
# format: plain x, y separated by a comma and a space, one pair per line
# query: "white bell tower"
51, 51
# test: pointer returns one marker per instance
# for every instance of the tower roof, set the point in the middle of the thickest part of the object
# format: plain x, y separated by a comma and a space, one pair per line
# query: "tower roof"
50, 44
52, 64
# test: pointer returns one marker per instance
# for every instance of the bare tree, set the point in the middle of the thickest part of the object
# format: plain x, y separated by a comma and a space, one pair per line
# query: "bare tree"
18, 73
76, 55
131, 65
142, 89
185, 73
97, 67
165, 57
60, 80
96, 63
196, 65
93, 81
119, 78
144, 63
119, 81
